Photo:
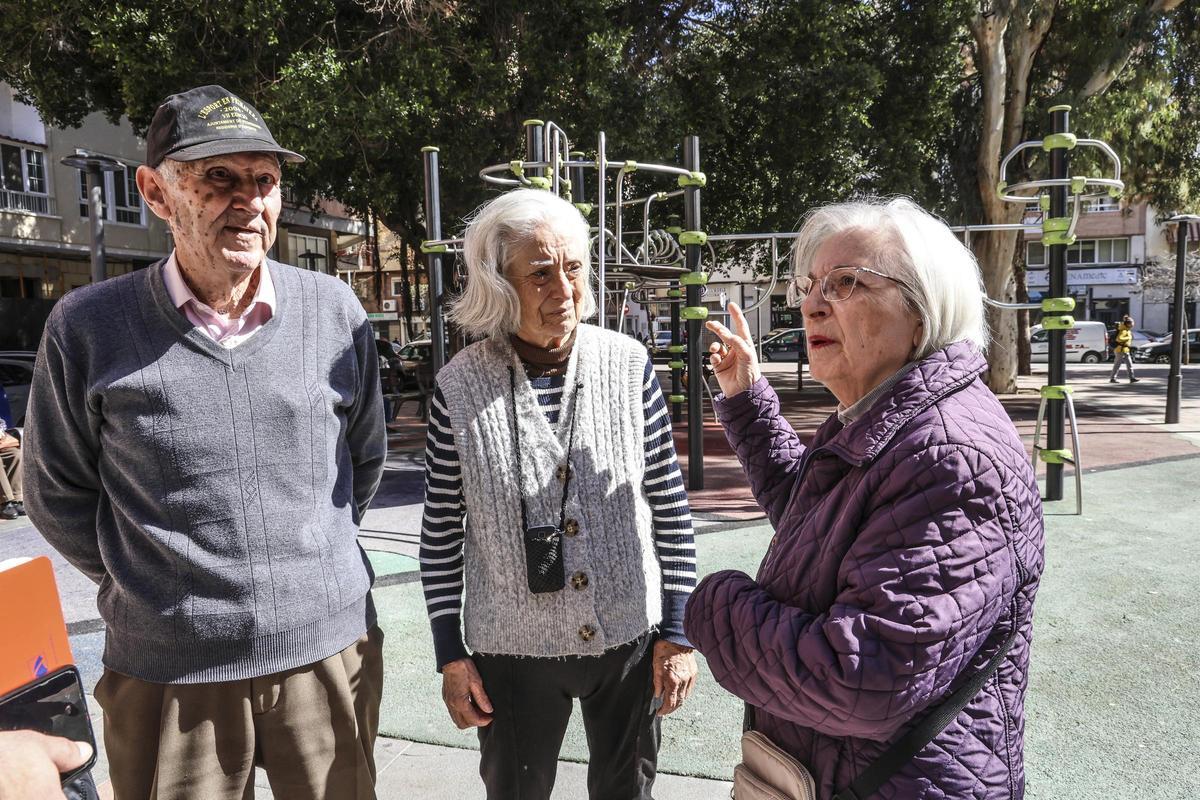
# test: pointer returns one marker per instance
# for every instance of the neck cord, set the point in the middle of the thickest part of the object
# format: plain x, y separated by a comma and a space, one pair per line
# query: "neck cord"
562, 510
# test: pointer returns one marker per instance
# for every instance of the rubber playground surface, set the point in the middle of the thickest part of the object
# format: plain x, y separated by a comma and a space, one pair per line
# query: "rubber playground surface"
1114, 700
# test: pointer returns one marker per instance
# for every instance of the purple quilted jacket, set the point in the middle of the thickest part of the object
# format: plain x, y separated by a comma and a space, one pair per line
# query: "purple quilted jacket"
908, 544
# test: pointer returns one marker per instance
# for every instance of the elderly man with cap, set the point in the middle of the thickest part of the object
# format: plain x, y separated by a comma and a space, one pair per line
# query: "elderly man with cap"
203, 438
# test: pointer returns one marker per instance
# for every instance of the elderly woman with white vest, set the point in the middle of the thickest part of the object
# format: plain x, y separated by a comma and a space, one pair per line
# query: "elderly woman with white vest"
556, 524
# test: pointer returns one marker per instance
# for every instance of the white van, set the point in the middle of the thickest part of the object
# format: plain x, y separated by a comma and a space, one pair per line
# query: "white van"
1087, 343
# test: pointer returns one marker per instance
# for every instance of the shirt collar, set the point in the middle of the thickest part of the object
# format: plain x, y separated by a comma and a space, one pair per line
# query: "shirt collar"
181, 294
848, 414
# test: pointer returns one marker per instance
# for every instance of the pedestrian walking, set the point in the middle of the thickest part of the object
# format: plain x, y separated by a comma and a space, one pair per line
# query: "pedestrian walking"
908, 534
1121, 350
554, 502
204, 437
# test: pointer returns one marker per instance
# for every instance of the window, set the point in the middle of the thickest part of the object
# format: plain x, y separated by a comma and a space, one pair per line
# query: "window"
35, 171
1100, 204
397, 287
1035, 254
309, 252
122, 187
1037, 337
1084, 251
10, 165
23, 180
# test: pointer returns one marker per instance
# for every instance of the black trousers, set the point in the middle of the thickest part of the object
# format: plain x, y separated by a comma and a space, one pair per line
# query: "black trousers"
533, 698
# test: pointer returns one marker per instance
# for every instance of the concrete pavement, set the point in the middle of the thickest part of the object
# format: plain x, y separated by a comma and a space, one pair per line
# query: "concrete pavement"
1091, 713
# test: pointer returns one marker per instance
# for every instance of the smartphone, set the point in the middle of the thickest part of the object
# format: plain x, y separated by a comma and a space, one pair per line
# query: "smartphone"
52, 704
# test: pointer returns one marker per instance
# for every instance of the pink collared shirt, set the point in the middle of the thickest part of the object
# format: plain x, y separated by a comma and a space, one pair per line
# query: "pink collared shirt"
220, 328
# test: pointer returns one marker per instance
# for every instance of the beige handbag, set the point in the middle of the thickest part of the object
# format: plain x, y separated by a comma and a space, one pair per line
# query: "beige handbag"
768, 773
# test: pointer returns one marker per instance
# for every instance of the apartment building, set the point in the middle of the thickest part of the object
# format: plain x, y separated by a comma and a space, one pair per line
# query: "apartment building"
1111, 267
45, 231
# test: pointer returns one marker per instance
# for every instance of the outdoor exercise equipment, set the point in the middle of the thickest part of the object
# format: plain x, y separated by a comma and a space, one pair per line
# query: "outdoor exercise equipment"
671, 258
663, 258
1058, 233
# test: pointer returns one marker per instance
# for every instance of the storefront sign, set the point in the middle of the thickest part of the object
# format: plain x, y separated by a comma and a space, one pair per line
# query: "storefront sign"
383, 316
1039, 278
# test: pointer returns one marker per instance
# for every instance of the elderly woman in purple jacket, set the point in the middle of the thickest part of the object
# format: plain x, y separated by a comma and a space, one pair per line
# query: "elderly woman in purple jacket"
908, 542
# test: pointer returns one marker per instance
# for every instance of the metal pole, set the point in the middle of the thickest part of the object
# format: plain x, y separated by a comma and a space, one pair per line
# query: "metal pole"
601, 166
1178, 330
1056, 409
95, 187
676, 373
433, 261
578, 184
535, 148
691, 222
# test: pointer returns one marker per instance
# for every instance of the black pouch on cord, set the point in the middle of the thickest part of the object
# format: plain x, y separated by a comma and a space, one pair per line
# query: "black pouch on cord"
544, 559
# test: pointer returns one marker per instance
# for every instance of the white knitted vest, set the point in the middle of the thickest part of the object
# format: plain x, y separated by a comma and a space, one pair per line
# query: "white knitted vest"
614, 548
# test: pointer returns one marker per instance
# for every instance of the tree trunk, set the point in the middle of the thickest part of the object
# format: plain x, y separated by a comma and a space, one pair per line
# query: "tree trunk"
406, 292
375, 262
1024, 356
994, 251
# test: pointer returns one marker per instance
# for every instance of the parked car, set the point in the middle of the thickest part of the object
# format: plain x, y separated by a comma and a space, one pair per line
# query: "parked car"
771, 334
659, 344
1087, 343
1160, 352
787, 345
412, 356
16, 374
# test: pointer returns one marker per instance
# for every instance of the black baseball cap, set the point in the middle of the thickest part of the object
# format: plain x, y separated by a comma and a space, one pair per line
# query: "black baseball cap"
209, 121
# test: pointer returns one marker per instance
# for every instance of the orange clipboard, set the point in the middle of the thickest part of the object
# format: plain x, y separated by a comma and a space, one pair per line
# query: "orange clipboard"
31, 624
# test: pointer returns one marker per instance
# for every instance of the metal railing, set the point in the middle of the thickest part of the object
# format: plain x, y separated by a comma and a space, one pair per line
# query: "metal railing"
27, 201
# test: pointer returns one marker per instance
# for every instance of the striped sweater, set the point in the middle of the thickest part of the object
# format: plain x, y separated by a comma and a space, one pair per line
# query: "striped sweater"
442, 531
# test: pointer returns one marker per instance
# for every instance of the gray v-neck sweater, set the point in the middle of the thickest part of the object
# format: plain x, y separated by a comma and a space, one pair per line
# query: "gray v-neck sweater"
214, 494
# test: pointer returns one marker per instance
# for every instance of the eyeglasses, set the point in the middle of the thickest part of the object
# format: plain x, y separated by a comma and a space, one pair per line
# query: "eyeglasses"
837, 285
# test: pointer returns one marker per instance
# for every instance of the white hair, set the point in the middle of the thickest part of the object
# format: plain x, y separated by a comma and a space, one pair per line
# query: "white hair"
489, 305
169, 169
941, 278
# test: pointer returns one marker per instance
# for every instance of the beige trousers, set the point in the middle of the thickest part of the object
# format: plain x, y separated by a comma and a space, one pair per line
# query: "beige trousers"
312, 729
10, 474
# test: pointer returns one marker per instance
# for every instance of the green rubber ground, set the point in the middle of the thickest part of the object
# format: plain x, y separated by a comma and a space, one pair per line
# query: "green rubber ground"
1114, 700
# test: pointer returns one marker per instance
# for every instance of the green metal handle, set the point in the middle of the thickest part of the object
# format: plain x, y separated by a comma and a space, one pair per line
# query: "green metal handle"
693, 312
1056, 392
1063, 323
1052, 305
693, 237
694, 278
433, 248
1056, 456
1059, 141
677, 348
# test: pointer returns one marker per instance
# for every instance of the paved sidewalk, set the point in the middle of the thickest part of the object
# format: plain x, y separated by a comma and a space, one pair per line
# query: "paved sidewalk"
1121, 429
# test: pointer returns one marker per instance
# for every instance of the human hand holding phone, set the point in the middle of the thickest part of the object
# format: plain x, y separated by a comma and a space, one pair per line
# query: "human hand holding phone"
32, 764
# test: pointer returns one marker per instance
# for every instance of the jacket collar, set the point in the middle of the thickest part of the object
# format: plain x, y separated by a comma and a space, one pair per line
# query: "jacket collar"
938, 375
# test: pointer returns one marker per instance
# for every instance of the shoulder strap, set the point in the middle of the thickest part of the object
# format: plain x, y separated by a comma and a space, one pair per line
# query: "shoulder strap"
911, 743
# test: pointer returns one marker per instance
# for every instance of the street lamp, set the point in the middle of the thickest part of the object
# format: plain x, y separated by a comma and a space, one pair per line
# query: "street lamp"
95, 167
1179, 332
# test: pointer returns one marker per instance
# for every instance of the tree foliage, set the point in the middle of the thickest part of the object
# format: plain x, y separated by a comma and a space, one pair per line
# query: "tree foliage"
797, 102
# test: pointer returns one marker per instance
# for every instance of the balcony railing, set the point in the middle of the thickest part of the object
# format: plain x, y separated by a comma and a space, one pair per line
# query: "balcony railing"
27, 201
